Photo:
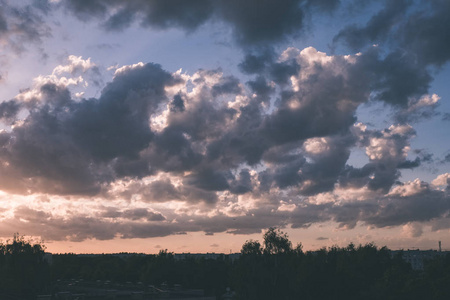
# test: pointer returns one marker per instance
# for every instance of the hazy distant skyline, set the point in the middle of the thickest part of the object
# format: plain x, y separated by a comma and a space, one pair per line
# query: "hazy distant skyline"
194, 126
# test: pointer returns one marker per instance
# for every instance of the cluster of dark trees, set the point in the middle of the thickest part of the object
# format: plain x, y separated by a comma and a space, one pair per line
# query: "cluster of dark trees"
23, 269
276, 270
271, 270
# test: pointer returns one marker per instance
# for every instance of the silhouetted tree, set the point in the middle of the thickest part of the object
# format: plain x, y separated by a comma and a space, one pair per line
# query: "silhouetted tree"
23, 270
276, 242
251, 248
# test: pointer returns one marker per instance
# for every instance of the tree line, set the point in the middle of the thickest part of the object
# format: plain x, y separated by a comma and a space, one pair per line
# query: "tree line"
273, 269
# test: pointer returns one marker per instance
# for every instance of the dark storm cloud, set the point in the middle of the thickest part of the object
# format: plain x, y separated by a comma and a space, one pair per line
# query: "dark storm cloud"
160, 190
252, 22
409, 164
413, 34
179, 13
280, 72
379, 27
256, 22
209, 180
261, 88
21, 25
65, 146
9, 109
177, 104
264, 62
414, 42
394, 78
243, 184
356, 177
400, 78
186, 15
424, 33
171, 151
317, 114
314, 172
227, 85
256, 63
131, 167
121, 115
141, 213
241, 142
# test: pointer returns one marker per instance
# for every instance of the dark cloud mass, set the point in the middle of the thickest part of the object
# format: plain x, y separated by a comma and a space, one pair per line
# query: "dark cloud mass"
21, 25
378, 28
253, 22
256, 21
414, 35
81, 145
65, 146
424, 33
186, 15
9, 109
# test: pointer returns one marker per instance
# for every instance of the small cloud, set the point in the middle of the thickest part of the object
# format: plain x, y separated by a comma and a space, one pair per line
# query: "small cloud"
412, 229
446, 117
441, 180
447, 158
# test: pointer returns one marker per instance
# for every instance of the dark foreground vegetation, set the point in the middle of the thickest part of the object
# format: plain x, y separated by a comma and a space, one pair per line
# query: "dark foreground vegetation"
271, 270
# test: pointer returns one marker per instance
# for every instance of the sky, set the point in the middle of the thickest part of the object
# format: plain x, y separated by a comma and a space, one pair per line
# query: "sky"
194, 126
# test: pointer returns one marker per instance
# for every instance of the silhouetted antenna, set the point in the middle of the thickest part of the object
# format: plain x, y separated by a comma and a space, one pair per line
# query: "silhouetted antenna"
440, 249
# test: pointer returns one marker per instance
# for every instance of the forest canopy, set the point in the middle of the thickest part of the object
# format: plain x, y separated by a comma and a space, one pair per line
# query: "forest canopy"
273, 269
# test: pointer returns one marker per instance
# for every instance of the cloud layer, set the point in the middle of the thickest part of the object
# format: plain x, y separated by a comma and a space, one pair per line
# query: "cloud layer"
157, 153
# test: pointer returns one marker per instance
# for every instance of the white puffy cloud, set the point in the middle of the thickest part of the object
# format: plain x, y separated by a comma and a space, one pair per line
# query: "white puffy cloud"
442, 180
409, 188
413, 230
390, 145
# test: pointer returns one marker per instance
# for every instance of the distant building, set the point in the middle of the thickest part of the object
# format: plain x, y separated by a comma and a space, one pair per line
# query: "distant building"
181, 256
417, 258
